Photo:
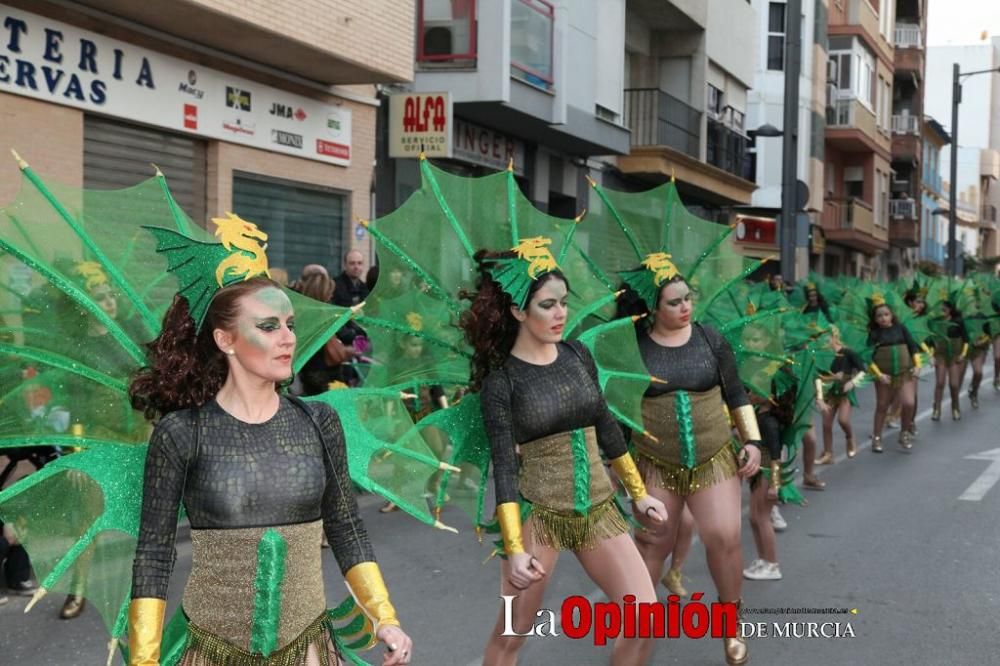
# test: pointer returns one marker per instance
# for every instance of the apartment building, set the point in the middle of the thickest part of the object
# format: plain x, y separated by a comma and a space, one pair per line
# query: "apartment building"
978, 145
534, 82
910, 37
756, 233
264, 109
689, 65
858, 146
933, 201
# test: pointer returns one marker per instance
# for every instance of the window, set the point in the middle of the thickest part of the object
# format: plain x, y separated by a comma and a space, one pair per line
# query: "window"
776, 37
880, 104
840, 70
531, 32
446, 30
305, 223
887, 107
714, 104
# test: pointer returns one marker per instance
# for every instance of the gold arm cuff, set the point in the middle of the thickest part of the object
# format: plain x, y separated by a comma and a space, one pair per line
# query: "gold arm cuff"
923, 346
819, 388
918, 361
366, 585
965, 349
145, 631
775, 474
874, 370
626, 470
509, 515
746, 423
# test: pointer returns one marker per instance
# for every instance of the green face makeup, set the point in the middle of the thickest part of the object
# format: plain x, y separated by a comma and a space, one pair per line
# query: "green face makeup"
264, 311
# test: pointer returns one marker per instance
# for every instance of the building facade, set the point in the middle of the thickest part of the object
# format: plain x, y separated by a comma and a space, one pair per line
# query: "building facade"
264, 109
978, 139
766, 107
858, 137
910, 37
688, 68
535, 83
933, 202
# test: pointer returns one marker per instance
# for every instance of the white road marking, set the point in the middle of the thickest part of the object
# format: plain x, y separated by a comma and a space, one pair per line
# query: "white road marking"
987, 479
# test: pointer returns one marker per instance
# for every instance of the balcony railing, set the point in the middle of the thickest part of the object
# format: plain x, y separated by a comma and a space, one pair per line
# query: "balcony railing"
659, 119
727, 149
905, 124
908, 36
903, 209
988, 213
840, 112
849, 214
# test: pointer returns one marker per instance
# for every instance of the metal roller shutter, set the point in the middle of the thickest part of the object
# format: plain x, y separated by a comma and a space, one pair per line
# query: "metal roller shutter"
118, 155
304, 223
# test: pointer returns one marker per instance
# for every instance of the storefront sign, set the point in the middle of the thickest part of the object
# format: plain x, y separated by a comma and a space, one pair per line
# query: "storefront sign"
420, 122
756, 230
62, 64
487, 147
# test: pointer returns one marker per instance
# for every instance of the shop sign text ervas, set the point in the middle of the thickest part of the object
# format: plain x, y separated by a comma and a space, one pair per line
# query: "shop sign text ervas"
62, 64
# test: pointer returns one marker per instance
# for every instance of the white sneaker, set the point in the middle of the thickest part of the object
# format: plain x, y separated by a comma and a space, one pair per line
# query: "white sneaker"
767, 571
754, 567
777, 520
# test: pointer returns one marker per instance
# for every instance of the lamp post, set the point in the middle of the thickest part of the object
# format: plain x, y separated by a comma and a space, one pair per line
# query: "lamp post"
956, 99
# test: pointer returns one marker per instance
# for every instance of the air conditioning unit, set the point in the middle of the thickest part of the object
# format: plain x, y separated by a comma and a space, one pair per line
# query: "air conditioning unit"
832, 94
831, 70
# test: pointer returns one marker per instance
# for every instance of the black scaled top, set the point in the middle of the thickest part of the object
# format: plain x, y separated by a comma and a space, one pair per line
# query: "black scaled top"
522, 402
241, 475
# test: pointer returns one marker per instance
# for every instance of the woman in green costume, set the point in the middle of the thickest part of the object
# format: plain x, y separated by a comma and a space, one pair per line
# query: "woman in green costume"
545, 418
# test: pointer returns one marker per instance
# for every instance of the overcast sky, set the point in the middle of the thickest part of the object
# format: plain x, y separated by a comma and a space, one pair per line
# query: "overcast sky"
962, 21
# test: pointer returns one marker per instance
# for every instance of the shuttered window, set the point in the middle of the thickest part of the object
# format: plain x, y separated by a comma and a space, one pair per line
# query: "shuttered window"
304, 223
118, 155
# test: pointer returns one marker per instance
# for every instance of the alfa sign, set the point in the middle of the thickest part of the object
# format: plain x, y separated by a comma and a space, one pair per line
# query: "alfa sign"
62, 64
420, 122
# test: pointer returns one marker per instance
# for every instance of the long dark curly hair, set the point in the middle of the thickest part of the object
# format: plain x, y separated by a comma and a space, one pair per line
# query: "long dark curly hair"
186, 368
488, 324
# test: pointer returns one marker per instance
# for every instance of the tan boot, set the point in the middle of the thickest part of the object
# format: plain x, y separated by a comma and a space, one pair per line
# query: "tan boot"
672, 581
736, 647
826, 458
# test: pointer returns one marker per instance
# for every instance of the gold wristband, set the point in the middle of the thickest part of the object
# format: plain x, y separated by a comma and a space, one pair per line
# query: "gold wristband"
509, 515
874, 369
145, 631
368, 589
775, 474
819, 388
965, 349
923, 346
918, 361
746, 423
626, 470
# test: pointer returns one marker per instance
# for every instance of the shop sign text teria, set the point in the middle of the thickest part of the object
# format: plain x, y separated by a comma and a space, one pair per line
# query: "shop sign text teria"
62, 64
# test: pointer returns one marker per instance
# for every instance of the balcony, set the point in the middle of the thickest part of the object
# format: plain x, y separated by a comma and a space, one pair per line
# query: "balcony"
727, 149
659, 119
851, 222
858, 18
908, 36
988, 215
906, 124
666, 141
851, 127
904, 223
909, 53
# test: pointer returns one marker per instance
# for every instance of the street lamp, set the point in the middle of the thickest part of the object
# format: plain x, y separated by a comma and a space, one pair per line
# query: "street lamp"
956, 99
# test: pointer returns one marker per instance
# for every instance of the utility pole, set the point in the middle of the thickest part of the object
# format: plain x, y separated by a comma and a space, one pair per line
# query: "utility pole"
790, 142
956, 99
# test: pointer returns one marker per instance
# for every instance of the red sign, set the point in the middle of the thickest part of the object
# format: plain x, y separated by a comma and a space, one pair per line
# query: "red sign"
757, 230
422, 114
190, 116
333, 149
